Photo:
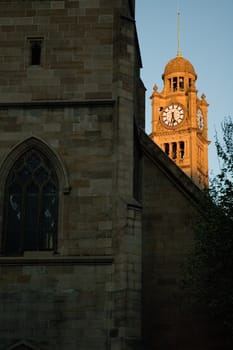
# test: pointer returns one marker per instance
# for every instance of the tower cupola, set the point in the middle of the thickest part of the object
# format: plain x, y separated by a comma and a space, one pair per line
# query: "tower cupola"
179, 75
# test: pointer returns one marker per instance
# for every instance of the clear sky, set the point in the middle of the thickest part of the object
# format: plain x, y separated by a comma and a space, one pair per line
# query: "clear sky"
206, 41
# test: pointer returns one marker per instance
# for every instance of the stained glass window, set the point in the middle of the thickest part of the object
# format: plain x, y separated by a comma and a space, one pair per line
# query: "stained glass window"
31, 205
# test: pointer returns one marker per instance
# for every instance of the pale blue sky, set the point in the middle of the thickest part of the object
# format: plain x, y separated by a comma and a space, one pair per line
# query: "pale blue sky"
206, 41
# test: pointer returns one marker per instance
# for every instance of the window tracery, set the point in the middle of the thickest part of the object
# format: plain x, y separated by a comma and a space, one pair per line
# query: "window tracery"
31, 205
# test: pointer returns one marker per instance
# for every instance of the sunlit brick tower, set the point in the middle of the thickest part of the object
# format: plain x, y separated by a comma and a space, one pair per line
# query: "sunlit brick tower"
179, 119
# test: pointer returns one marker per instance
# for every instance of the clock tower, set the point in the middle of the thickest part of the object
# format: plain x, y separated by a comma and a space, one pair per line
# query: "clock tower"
179, 120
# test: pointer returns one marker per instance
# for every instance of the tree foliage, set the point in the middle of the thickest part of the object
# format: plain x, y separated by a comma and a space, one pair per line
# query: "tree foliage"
210, 264
222, 186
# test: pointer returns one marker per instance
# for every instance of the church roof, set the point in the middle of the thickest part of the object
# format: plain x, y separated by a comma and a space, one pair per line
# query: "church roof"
172, 171
179, 64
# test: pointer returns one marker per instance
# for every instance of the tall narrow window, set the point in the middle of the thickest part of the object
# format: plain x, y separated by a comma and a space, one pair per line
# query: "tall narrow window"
166, 148
174, 150
35, 51
175, 84
181, 83
31, 205
181, 146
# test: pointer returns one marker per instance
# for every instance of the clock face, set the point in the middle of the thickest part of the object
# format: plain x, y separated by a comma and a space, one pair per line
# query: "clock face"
172, 115
200, 121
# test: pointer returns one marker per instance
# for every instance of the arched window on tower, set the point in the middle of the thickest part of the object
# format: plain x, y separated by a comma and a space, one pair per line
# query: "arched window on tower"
31, 205
181, 83
174, 82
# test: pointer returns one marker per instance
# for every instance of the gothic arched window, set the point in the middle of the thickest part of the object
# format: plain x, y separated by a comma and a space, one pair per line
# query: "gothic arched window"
31, 205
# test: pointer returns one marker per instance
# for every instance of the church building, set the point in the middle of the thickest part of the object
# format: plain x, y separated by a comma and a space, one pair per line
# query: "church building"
96, 219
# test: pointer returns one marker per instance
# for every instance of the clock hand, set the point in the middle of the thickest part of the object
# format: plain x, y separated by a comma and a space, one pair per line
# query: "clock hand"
172, 118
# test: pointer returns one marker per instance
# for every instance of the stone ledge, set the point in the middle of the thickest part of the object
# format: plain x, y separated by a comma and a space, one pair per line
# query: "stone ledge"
51, 261
57, 104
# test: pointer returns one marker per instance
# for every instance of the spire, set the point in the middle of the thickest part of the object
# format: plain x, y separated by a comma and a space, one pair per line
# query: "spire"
179, 54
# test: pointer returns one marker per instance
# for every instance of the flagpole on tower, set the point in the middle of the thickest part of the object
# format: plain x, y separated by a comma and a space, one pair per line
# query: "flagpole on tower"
179, 54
